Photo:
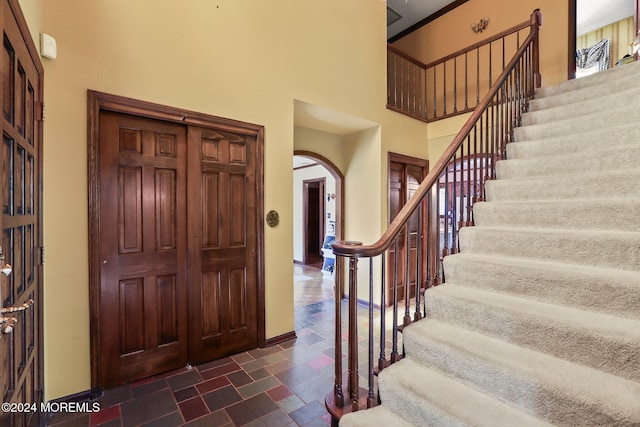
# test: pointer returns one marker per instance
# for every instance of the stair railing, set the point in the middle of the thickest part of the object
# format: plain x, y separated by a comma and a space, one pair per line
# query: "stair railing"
451, 85
411, 250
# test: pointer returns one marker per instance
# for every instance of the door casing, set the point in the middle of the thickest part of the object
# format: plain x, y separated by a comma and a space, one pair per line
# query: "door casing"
98, 101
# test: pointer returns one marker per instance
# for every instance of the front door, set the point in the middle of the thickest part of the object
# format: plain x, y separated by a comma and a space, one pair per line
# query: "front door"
20, 221
177, 277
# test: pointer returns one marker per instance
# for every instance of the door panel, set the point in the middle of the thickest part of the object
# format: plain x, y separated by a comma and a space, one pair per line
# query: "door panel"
404, 179
222, 244
20, 220
143, 286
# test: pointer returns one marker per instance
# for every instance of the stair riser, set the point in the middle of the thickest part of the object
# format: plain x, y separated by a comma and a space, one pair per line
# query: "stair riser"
611, 250
616, 137
614, 215
566, 341
416, 411
586, 100
604, 294
581, 124
584, 161
525, 392
614, 185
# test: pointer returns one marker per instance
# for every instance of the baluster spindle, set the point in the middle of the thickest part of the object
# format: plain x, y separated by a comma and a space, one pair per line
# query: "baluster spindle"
477, 76
444, 87
371, 398
419, 242
394, 344
454, 208
455, 85
339, 274
466, 81
354, 388
382, 360
407, 274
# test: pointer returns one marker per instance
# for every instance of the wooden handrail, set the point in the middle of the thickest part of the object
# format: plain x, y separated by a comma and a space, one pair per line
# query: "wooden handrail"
385, 241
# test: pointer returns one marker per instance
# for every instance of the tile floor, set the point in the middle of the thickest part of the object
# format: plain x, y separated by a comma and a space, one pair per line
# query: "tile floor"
282, 385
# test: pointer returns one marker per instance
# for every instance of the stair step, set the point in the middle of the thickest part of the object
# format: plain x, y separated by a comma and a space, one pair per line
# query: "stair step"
617, 92
427, 397
625, 135
617, 184
592, 161
609, 76
611, 214
546, 387
379, 415
565, 332
604, 290
580, 124
608, 249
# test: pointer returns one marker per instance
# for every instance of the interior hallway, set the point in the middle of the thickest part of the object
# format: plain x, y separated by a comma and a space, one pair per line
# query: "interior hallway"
282, 385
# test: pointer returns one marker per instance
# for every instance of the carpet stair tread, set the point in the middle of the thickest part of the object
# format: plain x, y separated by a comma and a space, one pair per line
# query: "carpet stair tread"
547, 387
609, 249
558, 330
433, 398
603, 290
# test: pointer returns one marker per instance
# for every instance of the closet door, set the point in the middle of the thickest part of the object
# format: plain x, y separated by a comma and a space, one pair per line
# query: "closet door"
223, 243
143, 247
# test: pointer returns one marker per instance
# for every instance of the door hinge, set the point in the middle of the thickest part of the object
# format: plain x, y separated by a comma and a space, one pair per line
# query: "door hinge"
40, 111
41, 255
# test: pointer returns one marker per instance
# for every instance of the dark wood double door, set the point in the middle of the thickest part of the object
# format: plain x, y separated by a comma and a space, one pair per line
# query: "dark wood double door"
179, 245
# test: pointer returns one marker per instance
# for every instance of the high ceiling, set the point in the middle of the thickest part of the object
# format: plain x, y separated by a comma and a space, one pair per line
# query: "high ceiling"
591, 14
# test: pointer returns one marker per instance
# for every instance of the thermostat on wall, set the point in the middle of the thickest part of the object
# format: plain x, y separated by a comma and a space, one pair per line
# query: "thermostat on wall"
48, 47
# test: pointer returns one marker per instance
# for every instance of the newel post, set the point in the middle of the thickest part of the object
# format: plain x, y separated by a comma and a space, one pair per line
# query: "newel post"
536, 22
335, 401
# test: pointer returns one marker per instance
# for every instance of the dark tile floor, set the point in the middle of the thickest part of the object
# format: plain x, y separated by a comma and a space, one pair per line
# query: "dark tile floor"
283, 385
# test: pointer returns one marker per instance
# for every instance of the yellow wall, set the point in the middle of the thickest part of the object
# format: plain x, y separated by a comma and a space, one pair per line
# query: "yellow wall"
242, 59
452, 32
32, 11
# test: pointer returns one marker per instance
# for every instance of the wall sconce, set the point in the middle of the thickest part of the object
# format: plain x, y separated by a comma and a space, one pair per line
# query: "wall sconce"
480, 26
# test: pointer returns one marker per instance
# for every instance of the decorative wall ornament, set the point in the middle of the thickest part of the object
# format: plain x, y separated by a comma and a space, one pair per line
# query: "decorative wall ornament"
273, 218
480, 26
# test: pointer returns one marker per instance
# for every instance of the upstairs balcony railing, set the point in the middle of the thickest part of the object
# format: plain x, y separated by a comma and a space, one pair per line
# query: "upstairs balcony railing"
451, 85
427, 227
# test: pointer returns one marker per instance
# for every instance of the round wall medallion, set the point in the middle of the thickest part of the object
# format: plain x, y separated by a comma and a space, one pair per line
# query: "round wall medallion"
273, 218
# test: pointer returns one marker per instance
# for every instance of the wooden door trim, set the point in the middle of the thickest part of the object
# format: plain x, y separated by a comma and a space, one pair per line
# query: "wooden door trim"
99, 101
305, 215
339, 177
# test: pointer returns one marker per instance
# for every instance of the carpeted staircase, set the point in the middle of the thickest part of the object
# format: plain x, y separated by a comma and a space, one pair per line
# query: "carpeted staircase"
539, 320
